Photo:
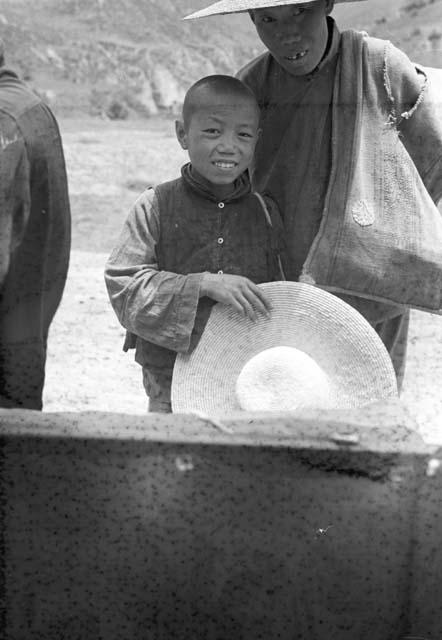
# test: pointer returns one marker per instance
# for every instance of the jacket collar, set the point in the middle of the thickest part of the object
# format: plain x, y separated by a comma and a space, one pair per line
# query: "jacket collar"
204, 188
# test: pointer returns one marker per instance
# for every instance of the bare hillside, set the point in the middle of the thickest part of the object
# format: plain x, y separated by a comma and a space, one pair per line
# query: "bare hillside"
136, 57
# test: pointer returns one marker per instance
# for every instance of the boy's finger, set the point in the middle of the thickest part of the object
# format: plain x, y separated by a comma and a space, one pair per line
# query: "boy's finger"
237, 306
248, 309
266, 302
261, 295
258, 300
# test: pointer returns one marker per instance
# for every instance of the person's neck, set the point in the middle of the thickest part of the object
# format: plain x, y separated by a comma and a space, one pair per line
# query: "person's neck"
220, 191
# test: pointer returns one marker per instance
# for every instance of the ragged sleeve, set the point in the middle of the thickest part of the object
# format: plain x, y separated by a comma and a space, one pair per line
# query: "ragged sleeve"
416, 97
15, 199
158, 306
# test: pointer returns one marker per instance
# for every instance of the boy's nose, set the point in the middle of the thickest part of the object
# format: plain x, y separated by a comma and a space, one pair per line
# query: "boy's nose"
226, 144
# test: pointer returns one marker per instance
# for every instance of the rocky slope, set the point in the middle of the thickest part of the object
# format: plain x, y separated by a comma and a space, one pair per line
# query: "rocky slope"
136, 57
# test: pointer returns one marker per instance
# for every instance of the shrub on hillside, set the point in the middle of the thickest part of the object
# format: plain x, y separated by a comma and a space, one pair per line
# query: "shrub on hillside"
435, 36
414, 5
117, 110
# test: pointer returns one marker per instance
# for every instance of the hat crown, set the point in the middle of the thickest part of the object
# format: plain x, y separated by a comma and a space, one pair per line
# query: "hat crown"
282, 378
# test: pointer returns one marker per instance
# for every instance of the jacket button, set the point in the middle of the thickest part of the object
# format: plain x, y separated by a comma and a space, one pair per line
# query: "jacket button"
221, 205
220, 240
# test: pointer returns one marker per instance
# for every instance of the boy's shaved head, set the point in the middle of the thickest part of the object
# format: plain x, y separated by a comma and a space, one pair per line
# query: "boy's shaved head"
200, 93
219, 129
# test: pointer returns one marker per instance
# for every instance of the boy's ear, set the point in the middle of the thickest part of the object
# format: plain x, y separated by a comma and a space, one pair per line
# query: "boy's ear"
181, 133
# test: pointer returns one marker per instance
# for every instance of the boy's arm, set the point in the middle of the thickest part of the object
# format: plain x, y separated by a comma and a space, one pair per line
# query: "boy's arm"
417, 99
158, 306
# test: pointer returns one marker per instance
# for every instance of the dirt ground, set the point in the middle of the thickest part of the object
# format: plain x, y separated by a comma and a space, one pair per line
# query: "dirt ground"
86, 368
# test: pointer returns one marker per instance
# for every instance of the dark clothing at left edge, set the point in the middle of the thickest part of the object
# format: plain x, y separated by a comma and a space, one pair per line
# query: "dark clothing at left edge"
35, 239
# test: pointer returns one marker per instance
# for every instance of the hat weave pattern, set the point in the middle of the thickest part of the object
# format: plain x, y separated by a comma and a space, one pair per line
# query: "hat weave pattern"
239, 6
330, 331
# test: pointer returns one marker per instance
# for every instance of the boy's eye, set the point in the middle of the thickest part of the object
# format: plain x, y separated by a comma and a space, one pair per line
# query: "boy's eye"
245, 134
266, 19
298, 12
211, 131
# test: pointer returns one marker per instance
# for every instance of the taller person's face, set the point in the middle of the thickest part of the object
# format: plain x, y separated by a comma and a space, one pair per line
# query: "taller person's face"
295, 34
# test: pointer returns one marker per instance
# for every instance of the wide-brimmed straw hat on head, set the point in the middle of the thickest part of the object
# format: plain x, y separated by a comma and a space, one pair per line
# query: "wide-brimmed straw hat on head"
239, 6
315, 351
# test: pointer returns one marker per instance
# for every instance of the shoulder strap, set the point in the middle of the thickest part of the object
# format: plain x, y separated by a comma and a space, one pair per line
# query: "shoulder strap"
270, 223
264, 207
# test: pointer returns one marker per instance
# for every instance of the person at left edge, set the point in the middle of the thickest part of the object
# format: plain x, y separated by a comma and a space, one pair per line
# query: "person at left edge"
35, 238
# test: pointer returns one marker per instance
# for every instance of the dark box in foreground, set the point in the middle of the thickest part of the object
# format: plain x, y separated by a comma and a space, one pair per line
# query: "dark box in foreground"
322, 526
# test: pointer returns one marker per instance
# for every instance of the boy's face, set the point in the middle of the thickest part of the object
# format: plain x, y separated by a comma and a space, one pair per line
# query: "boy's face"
220, 137
295, 34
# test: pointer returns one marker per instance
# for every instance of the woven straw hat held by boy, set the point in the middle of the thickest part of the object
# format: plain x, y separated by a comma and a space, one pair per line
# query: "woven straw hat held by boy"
314, 351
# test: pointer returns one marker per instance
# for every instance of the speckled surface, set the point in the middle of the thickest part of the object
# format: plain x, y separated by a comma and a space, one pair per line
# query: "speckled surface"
157, 527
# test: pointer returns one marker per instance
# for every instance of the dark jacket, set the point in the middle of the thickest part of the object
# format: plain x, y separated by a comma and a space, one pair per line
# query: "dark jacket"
34, 238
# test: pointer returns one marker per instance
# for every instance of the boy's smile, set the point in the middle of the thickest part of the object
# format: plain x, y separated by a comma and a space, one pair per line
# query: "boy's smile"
296, 35
221, 137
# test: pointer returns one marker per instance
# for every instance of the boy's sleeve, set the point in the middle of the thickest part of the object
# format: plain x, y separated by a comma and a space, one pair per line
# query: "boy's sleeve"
417, 98
159, 306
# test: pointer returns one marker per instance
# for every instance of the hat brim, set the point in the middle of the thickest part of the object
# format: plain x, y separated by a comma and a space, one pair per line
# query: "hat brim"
329, 330
225, 7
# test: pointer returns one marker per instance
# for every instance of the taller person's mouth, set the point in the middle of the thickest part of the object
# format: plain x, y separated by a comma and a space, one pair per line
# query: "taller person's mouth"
297, 56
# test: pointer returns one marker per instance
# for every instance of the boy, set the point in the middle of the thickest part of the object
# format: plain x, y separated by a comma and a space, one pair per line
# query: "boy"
351, 148
197, 240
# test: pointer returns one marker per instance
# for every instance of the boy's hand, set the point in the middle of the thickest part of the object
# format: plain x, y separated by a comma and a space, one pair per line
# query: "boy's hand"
240, 293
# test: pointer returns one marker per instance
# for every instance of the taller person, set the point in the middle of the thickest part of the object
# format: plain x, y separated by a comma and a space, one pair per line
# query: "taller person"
351, 148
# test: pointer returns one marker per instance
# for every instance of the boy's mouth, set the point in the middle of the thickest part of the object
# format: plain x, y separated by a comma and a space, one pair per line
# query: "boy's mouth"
297, 56
225, 164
